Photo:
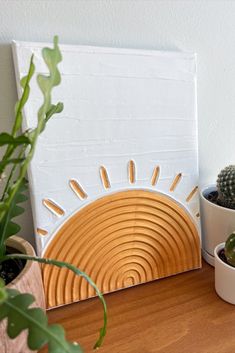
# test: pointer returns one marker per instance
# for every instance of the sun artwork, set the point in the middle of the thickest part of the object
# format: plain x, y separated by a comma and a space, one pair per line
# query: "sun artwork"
121, 240
114, 182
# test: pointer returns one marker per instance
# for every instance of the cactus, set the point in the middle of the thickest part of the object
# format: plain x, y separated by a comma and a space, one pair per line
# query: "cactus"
226, 187
229, 249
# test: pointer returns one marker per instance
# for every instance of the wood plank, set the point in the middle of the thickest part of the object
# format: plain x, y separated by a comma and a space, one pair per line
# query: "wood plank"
179, 314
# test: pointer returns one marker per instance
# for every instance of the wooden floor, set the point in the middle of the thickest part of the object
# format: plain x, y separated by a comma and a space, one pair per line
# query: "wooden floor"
180, 314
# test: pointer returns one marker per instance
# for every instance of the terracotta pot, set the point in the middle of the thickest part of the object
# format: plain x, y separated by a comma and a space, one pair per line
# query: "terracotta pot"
29, 280
224, 277
217, 224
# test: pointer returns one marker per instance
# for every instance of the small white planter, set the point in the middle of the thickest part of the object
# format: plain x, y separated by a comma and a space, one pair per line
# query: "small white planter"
217, 223
224, 277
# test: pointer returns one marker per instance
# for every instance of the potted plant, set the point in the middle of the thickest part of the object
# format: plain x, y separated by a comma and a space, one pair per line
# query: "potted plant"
217, 204
20, 276
225, 269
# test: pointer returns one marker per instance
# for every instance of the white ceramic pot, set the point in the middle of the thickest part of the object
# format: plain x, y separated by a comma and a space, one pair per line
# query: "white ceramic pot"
224, 277
217, 223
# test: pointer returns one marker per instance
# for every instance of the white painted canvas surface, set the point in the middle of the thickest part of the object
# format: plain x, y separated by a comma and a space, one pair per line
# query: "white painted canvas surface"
119, 105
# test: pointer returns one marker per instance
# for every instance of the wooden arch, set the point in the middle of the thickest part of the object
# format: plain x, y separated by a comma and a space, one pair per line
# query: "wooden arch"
120, 240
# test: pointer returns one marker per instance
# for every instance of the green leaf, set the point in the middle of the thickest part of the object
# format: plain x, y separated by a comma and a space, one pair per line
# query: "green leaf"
52, 58
21, 198
54, 109
3, 206
17, 211
26, 79
22, 140
3, 296
12, 229
78, 272
20, 317
7, 139
3, 163
3, 293
25, 95
37, 337
7, 227
11, 140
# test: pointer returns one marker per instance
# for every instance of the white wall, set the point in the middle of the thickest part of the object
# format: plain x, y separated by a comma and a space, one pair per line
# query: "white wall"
205, 27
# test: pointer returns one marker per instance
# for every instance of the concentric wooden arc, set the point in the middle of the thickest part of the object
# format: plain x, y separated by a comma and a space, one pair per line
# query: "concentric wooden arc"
121, 240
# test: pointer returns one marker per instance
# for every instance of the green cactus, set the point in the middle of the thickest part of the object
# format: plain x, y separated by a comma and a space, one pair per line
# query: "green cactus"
226, 187
229, 249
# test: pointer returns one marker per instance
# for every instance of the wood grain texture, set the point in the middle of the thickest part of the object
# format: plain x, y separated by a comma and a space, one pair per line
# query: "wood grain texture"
180, 314
123, 239
29, 280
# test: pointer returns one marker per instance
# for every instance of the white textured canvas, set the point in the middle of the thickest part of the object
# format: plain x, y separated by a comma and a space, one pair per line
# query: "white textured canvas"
119, 105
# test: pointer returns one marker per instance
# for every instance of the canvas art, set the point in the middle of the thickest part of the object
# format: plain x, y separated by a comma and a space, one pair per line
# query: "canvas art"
114, 180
